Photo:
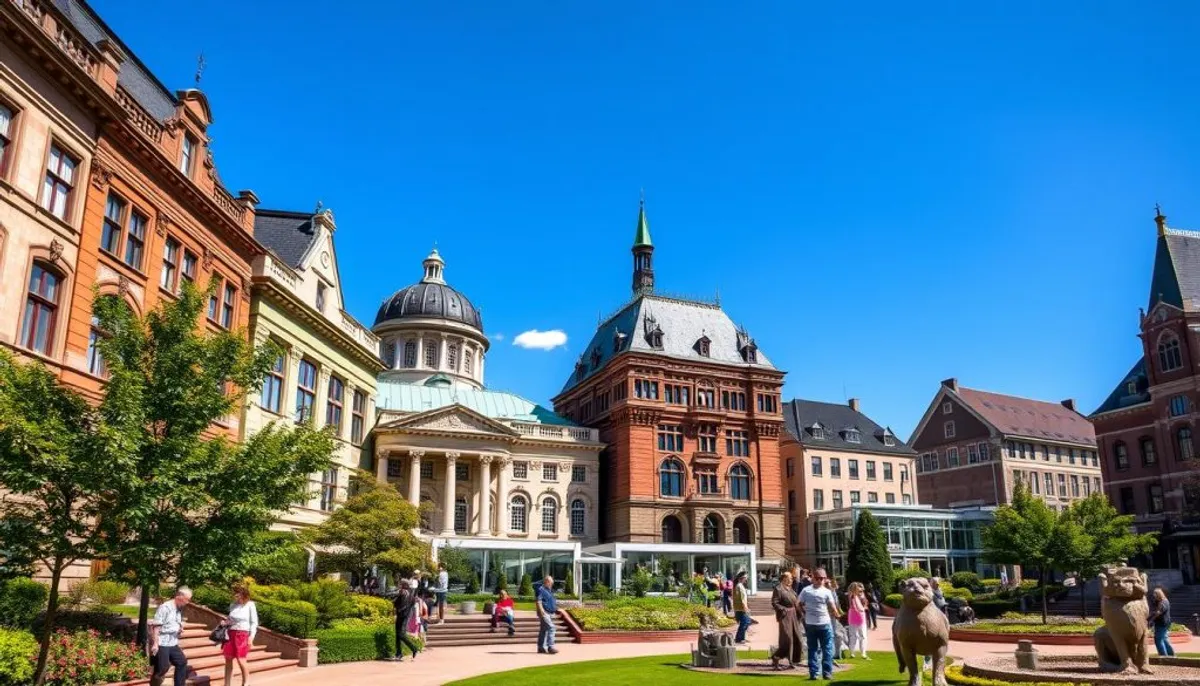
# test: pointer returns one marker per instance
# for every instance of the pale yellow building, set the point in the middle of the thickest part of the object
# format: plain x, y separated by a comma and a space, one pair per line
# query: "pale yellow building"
328, 367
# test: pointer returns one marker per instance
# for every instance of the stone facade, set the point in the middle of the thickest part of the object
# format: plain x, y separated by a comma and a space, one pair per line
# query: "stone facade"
328, 363
973, 446
689, 409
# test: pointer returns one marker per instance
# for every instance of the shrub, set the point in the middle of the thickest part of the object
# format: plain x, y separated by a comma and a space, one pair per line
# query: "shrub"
479, 598
954, 592
893, 600
638, 584
526, 587
296, 618
472, 584
281, 559
968, 580
98, 593
955, 677
1033, 625
646, 614
987, 608
20, 602
989, 583
87, 657
501, 583
370, 608
330, 597
100, 619
905, 574
600, 591
16, 649
356, 641
570, 583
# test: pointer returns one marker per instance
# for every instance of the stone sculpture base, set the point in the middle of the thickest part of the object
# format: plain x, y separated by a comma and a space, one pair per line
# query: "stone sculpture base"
1072, 669
725, 658
763, 668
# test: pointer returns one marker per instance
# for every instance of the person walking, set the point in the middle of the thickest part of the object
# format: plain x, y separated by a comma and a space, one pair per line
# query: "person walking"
790, 642
503, 612
405, 605
165, 631
242, 624
741, 607
820, 610
873, 606
443, 587
857, 613
1161, 619
726, 595
547, 606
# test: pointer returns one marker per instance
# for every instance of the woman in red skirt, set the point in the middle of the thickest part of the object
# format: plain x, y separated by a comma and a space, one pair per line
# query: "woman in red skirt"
243, 624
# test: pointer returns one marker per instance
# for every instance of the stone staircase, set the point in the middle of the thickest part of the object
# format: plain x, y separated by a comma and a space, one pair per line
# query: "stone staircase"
760, 605
208, 664
469, 630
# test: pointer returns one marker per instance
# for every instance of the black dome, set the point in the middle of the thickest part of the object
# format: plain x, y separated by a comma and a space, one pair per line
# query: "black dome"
427, 300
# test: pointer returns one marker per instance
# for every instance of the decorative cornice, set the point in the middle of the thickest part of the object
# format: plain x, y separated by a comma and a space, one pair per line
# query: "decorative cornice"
265, 286
452, 456
485, 459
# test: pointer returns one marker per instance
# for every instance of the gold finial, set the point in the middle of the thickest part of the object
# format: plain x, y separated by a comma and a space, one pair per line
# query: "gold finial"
199, 68
1160, 219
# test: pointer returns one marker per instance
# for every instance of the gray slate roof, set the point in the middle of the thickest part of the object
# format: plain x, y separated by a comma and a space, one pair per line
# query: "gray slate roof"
135, 77
1121, 397
683, 323
1176, 276
800, 415
287, 234
429, 300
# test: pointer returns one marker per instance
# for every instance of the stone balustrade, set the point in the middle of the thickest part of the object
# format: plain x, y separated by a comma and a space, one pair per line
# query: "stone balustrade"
75, 47
556, 432
138, 116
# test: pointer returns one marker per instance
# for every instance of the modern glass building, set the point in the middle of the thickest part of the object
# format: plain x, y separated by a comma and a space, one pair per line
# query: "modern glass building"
616, 561
940, 541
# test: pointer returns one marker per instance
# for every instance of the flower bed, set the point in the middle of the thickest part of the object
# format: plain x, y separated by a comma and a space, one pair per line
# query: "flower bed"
87, 657
1057, 631
641, 620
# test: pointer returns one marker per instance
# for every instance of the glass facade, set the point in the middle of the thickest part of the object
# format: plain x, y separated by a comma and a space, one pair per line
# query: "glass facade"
940, 541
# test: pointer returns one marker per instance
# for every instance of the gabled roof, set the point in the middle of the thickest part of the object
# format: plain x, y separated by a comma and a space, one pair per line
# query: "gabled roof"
408, 397
289, 235
683, 322
1022, 417
1121, 397
800, 415
1176, 277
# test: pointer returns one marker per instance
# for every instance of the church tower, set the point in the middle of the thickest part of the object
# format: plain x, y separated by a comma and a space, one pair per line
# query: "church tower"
643, 255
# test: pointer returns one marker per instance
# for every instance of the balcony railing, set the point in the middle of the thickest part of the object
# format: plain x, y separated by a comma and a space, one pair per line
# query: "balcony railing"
558, 433
227, 202
139, 117
79, 50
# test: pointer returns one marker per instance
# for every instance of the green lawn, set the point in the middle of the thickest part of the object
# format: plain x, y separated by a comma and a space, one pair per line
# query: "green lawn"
664, 670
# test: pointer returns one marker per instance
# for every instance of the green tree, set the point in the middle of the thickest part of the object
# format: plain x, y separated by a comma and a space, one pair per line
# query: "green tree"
1029, 533
458, 564
869, 561
570, 583
190, 502
373, 527
526, 587
57, 461
1110, 540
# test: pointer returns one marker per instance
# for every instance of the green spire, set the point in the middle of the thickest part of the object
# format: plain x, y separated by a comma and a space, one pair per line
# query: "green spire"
642, 237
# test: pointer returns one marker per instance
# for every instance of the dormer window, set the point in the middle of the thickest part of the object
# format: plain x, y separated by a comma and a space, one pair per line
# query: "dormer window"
853, 436
654, 333
1131, 388
321, 297
751, 355
702, 346
187, 155
596, 358
1169, 356
817, 431
888, 438
581, 369
618, 341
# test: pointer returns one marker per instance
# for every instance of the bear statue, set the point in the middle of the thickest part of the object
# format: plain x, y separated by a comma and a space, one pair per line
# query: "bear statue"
920, 628
1121, 642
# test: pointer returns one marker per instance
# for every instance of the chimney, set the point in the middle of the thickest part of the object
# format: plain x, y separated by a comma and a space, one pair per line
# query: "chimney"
1069, 403
854, 404
111, 58
951, 383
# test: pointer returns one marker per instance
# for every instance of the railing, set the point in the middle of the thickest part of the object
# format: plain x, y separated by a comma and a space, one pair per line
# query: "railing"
280, 273
139, 117
228, 203
560, 433
360, 333
80, 51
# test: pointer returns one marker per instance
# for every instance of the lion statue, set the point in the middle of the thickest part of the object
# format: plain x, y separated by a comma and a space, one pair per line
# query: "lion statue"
920, 628
1121, 642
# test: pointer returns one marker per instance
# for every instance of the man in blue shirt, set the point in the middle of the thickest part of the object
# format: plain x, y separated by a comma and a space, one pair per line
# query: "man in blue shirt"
547, 605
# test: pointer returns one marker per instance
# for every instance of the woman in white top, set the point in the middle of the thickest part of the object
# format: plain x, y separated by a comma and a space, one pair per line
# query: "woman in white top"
243, 625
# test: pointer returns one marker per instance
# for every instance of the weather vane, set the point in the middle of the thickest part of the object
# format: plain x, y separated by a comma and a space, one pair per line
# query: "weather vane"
199, 68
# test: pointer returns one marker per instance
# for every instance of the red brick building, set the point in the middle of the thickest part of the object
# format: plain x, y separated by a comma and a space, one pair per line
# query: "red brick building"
973, 446
689, 407
1146, 426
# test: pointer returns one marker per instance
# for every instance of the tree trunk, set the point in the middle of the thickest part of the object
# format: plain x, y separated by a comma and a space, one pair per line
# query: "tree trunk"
1045, 613
39, 672
143, 613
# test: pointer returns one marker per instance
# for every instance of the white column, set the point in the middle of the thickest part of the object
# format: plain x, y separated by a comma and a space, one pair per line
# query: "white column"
448, 495
414, 477
381, 467
441, 362
502, 495
484, 527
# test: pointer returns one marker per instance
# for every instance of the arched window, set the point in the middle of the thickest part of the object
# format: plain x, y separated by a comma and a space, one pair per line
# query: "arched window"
671, 478
1169, 357
672, 529
1184, 439
460, 516
577, 517
517, 514
452, 357
410, 354
739, 482
41, 309
712, 529
549, 516
742, 530
1120, 456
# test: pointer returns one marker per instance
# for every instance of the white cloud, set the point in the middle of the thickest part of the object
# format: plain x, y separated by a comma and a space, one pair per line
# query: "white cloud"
541, 340
497, 337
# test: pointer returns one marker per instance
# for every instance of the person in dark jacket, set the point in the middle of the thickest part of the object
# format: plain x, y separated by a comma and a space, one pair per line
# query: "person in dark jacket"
873, 602
1161, 619
405, 604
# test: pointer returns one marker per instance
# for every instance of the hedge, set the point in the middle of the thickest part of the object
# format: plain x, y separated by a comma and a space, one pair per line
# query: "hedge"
1077, 628
966, 580
893, 600
350, 643
646, 614
456, 598
955, 677
21, 600
16, 648
296, 618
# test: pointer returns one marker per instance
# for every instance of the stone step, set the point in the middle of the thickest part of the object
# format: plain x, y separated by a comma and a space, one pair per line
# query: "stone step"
215, 675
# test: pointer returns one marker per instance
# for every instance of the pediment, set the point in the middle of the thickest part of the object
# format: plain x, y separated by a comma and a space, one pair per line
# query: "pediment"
451, 419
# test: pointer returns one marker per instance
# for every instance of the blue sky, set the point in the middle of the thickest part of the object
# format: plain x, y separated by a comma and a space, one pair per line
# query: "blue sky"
884, 194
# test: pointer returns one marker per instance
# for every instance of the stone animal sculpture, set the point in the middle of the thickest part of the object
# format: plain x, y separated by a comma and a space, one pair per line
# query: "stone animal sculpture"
714, 648
919, 629
1121, 642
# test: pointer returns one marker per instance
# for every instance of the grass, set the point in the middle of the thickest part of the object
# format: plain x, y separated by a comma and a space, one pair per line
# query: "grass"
664, 670
130, 611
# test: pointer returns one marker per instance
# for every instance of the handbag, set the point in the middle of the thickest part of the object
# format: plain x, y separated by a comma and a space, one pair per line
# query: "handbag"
219, 635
